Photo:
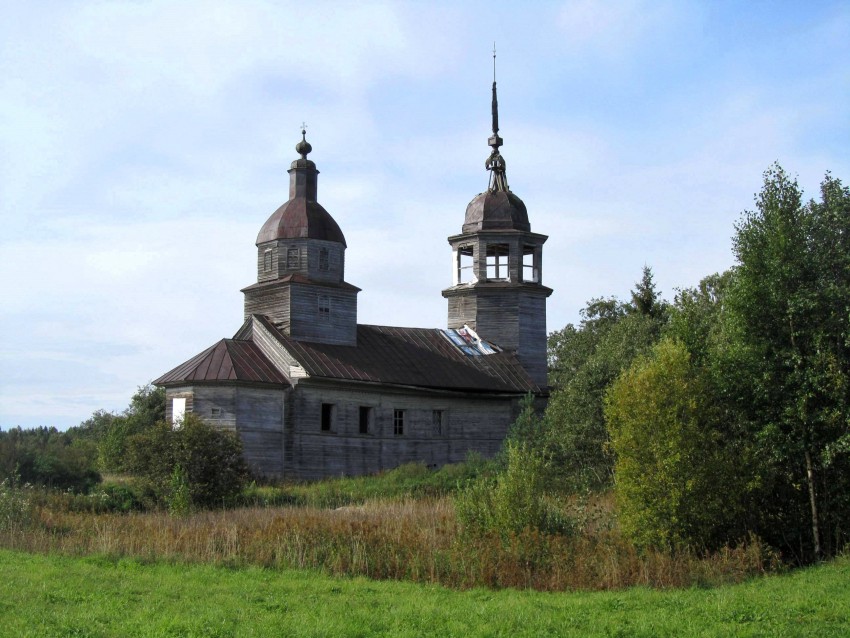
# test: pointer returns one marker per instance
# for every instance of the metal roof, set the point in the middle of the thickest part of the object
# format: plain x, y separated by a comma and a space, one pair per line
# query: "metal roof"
422, 357
227, 360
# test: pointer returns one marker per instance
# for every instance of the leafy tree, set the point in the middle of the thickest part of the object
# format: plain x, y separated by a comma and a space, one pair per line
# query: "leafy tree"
48, 457
196, 463
111, 431
677, 481
584, 362
791, 302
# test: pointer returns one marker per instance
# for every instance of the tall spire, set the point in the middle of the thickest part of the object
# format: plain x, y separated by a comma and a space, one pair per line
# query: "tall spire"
496, 163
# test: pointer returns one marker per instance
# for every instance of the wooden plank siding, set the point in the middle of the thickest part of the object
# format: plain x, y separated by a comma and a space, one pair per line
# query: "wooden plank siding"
307, 324
470, 423
255, 413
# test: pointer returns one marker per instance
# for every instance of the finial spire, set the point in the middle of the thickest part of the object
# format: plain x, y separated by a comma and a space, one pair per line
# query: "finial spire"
303, 147
496, 163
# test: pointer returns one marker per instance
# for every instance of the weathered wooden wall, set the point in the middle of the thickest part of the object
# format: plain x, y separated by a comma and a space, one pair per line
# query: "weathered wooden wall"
470, 423
255, 413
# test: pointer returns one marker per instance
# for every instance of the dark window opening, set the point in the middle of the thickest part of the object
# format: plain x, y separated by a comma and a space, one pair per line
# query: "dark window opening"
215, 412
327, 416
438, 421
398, 422
324, 308
267, 260
497, 261
324, 259
365, 419
465, 262
292, 259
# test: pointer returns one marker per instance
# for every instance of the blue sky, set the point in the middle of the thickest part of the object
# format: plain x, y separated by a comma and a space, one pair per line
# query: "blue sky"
143, 144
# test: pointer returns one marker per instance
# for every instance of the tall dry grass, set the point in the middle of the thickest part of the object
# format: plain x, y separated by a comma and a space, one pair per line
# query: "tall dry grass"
417, 540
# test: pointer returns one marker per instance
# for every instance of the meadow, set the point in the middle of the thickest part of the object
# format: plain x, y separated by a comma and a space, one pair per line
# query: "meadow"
100, 596
401, 525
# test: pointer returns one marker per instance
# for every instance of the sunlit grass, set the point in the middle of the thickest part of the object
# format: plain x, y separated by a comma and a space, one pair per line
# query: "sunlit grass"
98, 596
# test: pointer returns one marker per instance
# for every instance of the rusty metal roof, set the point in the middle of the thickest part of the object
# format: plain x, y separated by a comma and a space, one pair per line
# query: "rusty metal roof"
300, 218
227, 360
421, 357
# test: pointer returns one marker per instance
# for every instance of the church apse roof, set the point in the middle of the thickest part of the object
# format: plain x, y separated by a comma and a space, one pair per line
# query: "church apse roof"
227, 360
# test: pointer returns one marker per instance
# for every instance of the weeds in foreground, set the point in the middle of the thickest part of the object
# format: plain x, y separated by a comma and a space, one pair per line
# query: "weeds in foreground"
418, 540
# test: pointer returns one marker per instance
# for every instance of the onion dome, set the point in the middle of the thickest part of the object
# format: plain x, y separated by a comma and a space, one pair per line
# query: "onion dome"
301, 217
497, 208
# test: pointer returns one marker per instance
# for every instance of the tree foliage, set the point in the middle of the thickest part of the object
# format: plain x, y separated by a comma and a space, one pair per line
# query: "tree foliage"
111, 432
584, 361
676, 479
194, 465
791, 302
48, 457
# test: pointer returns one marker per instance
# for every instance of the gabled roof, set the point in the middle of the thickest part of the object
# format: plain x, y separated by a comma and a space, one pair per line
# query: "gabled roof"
227, 360
421, 357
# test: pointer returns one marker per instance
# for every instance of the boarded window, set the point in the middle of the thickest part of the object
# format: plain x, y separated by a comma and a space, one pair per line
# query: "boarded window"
365, 419
267, 260
497, 261
327, 416
398, 422
324, 308
438, 421
324, 259
465, 271
292, 259
215, 412
178, 410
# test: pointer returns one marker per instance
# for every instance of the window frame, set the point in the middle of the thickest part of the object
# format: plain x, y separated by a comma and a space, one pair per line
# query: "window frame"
323, 308
438, 421
398, 421
293, 258
324, 259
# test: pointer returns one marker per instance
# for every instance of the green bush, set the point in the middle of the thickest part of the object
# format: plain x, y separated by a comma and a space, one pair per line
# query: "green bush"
515, 499
48, 457
194, 465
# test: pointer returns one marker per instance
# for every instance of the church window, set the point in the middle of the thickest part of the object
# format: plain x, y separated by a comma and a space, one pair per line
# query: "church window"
267, 260
465, 270
497, 261
324, 308
438, 418
529, 268
324, 259
327, 416
292, 259
398, 422
215, 412
365, 419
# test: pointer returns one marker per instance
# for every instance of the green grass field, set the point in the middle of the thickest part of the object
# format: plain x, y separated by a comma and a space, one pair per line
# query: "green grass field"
60, 596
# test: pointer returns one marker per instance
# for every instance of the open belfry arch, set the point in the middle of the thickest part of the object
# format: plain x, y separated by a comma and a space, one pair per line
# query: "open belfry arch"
312, 393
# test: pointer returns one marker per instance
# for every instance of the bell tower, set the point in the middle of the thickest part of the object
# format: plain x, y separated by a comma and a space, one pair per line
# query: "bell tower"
497, 268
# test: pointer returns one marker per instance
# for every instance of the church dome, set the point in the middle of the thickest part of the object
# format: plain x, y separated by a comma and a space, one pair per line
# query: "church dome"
496, 210
301, 217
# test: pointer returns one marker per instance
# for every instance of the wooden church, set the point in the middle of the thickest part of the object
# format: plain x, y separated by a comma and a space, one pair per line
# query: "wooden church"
312, 393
